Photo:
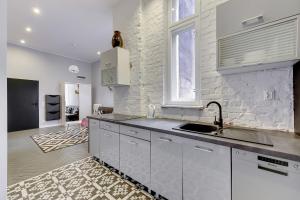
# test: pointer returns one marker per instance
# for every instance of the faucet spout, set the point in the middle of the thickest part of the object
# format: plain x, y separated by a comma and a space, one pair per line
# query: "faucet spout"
220, 122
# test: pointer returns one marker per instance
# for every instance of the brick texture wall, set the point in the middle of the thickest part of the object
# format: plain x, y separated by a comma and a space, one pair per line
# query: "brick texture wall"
242, 95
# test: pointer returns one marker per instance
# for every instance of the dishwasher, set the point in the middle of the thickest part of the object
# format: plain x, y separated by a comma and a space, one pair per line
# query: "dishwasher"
261, 177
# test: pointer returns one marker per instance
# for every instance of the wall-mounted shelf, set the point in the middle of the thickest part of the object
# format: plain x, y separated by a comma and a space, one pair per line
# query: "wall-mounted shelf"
52, 107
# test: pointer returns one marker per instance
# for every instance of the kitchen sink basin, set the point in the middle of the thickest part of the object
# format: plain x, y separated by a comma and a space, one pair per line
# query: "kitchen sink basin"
245, 135
198, 128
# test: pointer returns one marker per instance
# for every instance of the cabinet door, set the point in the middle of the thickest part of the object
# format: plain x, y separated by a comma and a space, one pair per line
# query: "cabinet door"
109, 148
166, 165
135, 159
94, 138
109, 59
206, 171
237, 15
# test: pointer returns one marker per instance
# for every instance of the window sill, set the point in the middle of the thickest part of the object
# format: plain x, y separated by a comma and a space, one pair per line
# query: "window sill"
200, 107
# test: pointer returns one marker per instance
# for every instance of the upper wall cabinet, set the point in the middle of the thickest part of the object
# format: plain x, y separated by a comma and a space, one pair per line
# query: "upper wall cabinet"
115, 67
257, 32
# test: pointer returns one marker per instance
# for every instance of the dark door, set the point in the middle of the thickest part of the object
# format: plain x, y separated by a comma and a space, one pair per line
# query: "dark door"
22, 104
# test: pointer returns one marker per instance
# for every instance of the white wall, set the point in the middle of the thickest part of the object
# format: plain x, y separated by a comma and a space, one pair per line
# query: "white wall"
3, 101
242, 95
127, 18
101, 95
50, 70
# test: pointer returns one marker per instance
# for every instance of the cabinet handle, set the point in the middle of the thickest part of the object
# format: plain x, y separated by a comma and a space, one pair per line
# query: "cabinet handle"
107, 135
108, 126
132, 142
204, 149
253, 20
133, 132
165, 139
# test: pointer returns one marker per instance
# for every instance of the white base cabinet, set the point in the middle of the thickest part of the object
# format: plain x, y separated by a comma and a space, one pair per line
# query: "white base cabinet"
110, 148
206, 171
94, 138
135, 159
174, 167
166, 165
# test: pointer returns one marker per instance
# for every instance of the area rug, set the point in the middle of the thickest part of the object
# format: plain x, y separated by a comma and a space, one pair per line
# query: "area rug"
82, 180
57, 140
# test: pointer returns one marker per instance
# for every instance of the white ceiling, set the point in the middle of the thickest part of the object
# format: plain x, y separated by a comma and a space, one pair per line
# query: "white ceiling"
72, 28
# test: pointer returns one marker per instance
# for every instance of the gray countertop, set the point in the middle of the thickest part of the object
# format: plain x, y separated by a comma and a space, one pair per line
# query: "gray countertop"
286, 145
113, 117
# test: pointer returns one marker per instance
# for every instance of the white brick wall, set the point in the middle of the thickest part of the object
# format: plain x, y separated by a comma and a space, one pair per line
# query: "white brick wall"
242, 95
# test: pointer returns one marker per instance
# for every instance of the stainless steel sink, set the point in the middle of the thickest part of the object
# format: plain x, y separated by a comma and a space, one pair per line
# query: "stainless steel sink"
245, 135
198, 128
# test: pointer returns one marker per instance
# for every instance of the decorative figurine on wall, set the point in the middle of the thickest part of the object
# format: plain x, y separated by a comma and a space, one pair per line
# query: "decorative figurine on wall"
117, 40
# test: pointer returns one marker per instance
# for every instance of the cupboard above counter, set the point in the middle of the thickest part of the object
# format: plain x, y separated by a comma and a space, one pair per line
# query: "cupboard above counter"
115, 67
257, 35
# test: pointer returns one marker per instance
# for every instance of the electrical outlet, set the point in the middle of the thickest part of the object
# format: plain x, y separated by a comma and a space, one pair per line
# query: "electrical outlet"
270, 95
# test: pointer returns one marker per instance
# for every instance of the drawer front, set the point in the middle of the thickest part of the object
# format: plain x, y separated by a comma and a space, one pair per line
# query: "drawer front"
93, 123
237, 15
110, 126
52, 116
135, 159
53, 107
135, 132
53, 99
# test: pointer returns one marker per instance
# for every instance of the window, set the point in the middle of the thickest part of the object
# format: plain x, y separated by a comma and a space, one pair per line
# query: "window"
182, 86
182, 9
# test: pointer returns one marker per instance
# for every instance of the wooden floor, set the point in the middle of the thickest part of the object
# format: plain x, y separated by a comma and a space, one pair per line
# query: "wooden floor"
26, 159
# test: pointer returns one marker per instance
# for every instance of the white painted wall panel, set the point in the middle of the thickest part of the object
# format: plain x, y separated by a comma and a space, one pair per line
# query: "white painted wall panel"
101, 95
50, 70
3, 101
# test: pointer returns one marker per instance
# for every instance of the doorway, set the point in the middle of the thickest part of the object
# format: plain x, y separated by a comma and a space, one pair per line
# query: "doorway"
77, 102
22, 104
72, 102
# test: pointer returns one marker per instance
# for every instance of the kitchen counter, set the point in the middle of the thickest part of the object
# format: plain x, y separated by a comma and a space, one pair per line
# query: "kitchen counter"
286, 145
113, 117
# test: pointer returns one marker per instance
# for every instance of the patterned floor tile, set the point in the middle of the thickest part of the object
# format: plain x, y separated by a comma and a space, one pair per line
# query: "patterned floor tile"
81, 180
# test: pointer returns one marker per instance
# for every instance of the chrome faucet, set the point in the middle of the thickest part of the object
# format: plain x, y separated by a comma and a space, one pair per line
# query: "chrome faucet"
220, 122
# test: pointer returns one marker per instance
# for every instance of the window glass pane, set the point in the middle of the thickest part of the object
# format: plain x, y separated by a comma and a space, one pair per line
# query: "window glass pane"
182, 9
183, 65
